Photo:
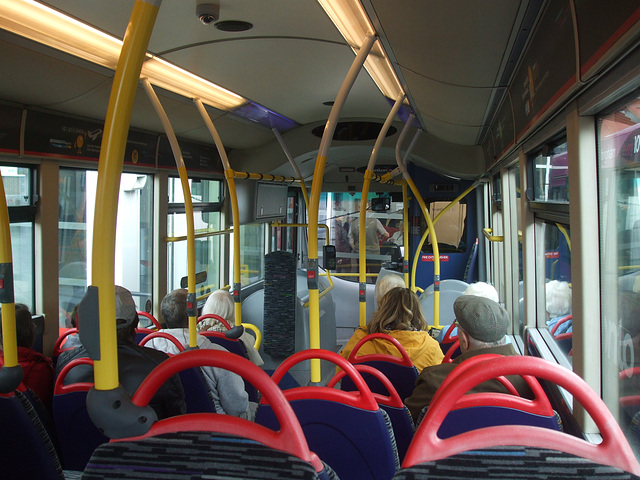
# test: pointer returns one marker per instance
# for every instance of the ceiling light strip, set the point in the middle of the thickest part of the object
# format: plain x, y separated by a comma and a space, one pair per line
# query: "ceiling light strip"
47, 26
351, 20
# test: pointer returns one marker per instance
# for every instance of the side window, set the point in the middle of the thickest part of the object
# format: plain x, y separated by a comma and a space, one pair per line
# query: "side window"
134, 227
18, 185
206, 198
548, 169
619, 204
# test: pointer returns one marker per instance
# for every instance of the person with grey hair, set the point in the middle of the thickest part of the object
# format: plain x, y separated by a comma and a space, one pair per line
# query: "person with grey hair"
221, 303
482, 289
226, 388
386, 283
482, 328
558, 305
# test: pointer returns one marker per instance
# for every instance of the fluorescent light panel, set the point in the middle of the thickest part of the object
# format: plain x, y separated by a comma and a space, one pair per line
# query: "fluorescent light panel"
44, 25
354, 25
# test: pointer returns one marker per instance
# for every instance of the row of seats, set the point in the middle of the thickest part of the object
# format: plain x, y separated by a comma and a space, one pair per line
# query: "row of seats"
299, 413
317, 411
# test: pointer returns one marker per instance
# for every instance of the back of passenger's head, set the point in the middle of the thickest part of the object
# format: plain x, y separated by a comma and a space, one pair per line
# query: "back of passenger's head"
482, 319
629, 312
386, 283
483, 289
25, 328
220, 303
126, 314
74, 316
174, 309
399, 309
558, 296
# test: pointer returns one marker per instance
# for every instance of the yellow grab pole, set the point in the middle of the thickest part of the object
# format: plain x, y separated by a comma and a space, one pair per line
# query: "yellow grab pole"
112, 151
192, 305
362, 224
294, 165
434, 240
11, 371
314, 202
407, 226
233, 198
435, 220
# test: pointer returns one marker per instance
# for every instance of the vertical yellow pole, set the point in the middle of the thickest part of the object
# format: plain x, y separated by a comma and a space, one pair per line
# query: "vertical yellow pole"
314, 203
233, 198
192, 307
406, 224
362, 224
112, 151
11, 372
425, 212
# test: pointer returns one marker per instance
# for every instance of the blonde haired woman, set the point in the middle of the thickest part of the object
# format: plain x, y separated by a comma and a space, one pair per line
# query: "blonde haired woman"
399, 315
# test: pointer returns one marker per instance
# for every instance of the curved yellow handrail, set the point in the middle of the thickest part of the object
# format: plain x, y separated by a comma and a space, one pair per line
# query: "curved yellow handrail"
314, 202
233, 199
431, 229
188, 206
435, 220
488, 232
565, 233
362, 223
112, 151
256, 330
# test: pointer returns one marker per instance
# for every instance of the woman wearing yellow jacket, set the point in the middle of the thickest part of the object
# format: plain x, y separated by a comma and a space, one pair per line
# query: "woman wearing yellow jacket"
399, 315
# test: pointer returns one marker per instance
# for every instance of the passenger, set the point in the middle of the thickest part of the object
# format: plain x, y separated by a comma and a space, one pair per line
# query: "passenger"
373, 231
482, 328
341, 231
399, 314
134, 362
483, 289
386, 283
480, 289
226, 388
37, 370
221, 303
558, 304
73, 340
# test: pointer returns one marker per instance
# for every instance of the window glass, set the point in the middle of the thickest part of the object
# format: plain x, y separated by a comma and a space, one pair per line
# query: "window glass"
519, 287
134, 227
22, 254
206, 197
551, 175
284, 238
619, 200
17, 182
557, 271
252, 250
340, 211
17, 186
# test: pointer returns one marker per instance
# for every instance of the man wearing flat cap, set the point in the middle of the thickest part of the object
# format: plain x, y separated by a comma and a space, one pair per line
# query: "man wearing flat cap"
482, 329
134, 362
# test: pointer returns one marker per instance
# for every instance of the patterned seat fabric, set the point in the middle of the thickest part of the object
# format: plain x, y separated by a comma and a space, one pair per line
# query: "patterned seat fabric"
188, 455
513, 463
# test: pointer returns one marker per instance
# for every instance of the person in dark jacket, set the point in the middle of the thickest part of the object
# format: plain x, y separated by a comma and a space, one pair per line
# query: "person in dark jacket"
134, 362
482, 329
37, 370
